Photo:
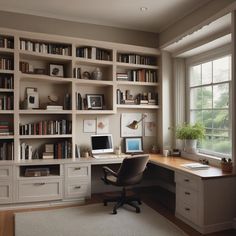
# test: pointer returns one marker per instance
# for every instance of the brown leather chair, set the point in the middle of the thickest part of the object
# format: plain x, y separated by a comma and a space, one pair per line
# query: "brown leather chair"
129, 173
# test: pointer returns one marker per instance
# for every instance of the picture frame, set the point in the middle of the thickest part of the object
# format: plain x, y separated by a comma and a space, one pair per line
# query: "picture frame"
56, 70
134, 145
95, 101
32, 98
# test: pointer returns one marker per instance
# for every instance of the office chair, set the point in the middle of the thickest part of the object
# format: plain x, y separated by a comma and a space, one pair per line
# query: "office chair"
130, 173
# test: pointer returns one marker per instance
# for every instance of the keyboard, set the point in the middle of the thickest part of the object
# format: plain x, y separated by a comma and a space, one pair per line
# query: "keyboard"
104, 156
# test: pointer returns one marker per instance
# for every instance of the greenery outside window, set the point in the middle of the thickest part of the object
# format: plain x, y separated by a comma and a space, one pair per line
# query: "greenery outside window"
210, 104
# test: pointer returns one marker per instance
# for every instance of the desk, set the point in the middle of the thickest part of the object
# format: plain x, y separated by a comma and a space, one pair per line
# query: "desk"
205, 199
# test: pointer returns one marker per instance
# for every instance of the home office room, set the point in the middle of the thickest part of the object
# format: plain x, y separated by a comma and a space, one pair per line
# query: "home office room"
117, 118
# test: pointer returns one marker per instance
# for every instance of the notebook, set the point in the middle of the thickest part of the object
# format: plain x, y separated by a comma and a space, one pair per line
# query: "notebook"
195, 166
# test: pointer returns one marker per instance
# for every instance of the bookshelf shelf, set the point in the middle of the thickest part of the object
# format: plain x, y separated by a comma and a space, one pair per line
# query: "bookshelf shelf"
127, 106
3, 90
132, 83
6, 71
49, 57
45, 136
95, 112
6, 111
7, 50
135, 66
93, 82
6, 137
94, 62
35, 78
27, 112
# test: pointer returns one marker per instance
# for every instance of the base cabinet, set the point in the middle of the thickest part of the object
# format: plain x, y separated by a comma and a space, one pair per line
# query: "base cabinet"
39, 190
207, 205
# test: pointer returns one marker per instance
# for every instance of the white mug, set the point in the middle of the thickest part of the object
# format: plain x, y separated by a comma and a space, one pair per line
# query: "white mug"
165, 152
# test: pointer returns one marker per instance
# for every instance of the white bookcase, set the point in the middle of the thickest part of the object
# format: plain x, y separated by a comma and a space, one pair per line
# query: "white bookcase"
31, 55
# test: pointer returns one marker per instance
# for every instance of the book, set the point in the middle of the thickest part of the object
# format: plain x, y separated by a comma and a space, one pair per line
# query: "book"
54, 107
195, 166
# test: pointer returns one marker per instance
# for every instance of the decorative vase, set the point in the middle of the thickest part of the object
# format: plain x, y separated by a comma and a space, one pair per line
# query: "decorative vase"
97, 74
191, 146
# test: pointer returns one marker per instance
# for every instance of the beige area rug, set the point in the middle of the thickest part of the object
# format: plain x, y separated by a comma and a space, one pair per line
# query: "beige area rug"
94, 220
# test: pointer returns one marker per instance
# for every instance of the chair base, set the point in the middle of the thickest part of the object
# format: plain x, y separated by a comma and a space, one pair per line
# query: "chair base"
123, 199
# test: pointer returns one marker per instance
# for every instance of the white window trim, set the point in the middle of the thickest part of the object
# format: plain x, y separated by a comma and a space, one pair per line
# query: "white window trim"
196, 60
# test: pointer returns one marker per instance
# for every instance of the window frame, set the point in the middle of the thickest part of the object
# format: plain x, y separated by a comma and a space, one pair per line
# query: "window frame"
198, 60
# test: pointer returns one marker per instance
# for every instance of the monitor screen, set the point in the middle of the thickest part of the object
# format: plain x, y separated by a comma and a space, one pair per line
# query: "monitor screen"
102, 143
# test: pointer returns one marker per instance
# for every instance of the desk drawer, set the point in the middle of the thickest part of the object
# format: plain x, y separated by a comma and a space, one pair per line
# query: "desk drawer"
186, 195
5, 172
187, 181
77, 171
190, 212
39, 190
77, 189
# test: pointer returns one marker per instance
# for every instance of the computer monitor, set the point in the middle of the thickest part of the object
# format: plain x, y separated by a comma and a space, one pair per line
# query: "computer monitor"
102, 143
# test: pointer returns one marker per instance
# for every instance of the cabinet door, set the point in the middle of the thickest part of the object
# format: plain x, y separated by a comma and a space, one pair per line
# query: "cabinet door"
5, 192
39, 190
77, 189
5, 172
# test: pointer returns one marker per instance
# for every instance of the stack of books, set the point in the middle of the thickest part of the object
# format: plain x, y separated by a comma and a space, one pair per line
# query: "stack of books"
122, 76
49, 151
4, 128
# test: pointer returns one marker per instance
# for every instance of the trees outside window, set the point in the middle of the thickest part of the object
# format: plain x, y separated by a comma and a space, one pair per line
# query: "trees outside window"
210, 104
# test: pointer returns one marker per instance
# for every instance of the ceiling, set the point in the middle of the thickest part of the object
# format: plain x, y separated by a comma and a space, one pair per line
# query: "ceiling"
117, 13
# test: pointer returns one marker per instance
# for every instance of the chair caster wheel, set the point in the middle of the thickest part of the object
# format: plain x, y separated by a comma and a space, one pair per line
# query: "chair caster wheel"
114, 212
138, 211
139, 202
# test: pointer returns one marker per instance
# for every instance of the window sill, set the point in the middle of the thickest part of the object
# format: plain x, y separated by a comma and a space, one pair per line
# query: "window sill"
214, 161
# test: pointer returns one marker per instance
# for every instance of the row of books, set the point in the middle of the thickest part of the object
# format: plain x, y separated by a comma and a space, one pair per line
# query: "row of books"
6, 102
47, 127
149, 98
6, 81
41, 47
6, 151
138, 76
26, 151
6, 63
6, 42
94, 53
5, 128
136, 59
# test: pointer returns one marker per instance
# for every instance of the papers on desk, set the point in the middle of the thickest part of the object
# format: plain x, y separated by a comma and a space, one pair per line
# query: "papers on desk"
195, 166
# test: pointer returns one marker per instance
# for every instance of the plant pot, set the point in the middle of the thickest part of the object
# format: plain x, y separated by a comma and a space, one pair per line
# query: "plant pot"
191, 146
227, 167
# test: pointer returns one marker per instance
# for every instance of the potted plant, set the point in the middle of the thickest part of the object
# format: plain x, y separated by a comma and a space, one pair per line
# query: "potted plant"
190, 133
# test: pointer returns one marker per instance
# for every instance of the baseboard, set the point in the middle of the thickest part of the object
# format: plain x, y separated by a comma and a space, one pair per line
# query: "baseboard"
234, 223
206, 229
41, 204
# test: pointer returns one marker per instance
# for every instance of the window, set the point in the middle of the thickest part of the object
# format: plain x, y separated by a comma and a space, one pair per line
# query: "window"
210, 98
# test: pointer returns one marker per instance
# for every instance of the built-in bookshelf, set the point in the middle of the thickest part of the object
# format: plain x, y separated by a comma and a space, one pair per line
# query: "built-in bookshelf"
48, 83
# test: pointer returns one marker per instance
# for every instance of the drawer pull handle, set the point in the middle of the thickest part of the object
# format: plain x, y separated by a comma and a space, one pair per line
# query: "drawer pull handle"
77, 187
77, 168
186, 180
39, 184
187, 193
187, 209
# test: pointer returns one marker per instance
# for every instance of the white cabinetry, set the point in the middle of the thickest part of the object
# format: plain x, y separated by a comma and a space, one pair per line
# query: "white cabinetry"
6, 184
77, 181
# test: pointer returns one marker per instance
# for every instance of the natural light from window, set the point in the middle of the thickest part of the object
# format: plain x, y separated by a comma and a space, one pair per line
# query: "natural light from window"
210, 94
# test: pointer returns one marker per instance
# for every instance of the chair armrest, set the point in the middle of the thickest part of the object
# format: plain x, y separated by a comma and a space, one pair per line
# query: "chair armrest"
107, 171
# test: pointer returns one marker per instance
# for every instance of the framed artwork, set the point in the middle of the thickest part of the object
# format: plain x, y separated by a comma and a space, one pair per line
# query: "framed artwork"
32, 98
150, 124
89, 126
102, 125
56, 70
134, 145
95, 101
126, 120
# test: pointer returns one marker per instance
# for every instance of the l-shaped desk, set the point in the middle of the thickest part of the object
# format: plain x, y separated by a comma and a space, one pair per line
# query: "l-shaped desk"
205, 199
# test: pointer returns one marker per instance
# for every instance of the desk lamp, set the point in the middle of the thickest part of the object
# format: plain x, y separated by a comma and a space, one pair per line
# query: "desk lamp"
134, 124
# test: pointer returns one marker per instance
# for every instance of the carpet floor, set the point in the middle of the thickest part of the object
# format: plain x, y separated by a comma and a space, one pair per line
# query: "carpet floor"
94, 220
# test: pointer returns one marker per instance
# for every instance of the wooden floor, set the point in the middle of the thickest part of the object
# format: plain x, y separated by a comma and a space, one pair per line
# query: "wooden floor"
160, 200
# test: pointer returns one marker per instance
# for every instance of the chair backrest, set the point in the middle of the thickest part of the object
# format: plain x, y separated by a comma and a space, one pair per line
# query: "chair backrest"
131, 170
